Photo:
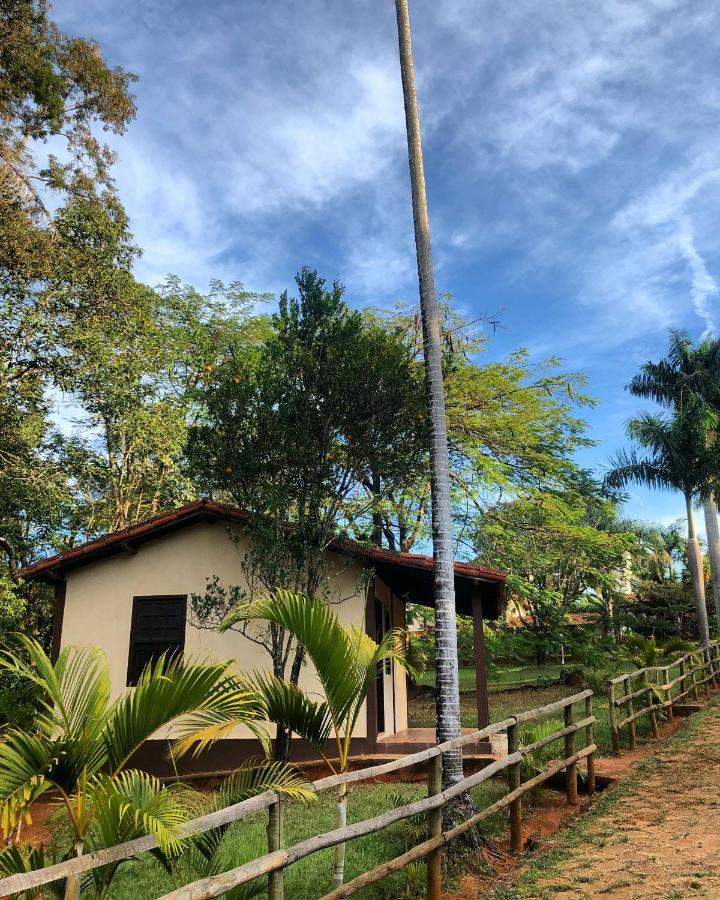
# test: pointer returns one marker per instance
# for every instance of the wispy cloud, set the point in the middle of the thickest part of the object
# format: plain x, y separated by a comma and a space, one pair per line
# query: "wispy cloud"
704, 288
571, 154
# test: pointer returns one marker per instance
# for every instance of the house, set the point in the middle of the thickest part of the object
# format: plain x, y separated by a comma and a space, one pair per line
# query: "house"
128, 593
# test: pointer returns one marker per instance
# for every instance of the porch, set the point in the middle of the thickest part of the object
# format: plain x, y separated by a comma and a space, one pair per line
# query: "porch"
410, 740
401, 579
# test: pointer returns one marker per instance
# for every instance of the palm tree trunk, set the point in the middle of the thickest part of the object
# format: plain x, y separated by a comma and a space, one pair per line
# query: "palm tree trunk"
697, 575
72, 884
340, 822
448, 689
712, 531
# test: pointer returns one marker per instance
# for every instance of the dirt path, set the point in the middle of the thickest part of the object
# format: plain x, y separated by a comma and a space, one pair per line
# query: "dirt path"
655, 837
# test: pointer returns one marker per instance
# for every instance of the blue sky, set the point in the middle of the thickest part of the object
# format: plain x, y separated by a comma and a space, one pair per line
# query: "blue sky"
571, 156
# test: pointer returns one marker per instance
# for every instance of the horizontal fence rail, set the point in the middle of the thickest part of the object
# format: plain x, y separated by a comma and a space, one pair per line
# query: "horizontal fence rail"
217, 885
274, 862
652, 689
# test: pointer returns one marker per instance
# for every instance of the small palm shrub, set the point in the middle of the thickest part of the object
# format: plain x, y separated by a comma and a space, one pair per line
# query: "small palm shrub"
81, 744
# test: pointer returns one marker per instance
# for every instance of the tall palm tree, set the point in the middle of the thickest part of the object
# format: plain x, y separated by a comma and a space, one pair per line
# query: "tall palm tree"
346, 661
676, 459
446, 660
690, 373
82, 742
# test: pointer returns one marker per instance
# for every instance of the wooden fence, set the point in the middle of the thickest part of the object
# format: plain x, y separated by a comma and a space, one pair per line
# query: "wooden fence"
653, 689
277, 859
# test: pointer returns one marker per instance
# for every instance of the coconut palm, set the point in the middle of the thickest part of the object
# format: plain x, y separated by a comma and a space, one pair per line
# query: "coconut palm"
676, 459
690, 373
446, 659
82, 742
346, 661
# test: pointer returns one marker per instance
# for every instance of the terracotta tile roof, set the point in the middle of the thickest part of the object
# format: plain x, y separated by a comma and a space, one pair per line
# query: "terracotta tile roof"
51, 567
416, 561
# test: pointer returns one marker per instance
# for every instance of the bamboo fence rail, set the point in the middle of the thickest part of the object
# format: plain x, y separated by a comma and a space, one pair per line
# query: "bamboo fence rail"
278, 858
655, 690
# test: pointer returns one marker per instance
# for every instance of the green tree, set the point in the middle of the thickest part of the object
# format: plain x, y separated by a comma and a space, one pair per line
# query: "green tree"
676, 458
559, 548
65, 253
289, 432
691, 373
511, 425
140, 384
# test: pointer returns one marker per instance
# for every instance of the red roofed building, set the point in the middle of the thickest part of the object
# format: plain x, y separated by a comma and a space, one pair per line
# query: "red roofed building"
128, 593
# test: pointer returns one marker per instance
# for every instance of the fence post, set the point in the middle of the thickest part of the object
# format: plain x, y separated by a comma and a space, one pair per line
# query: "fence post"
709, 671
701, 667
612, 715
275, 842
683, 677
516, 842
668, 695
693, 677
589, 739
651, 704
434, 860
570, 770
630, 707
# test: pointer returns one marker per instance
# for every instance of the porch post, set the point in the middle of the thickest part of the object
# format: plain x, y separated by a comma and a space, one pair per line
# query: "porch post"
481, 691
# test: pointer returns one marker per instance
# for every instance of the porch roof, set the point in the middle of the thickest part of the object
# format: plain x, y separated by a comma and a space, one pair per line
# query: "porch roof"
409, 575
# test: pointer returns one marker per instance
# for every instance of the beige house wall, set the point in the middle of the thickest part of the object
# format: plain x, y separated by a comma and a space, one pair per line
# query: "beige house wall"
99, 600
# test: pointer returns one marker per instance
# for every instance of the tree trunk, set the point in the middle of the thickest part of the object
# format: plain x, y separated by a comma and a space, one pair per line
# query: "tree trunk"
710, 509
72, 884
447, 692
697, 575
340, 822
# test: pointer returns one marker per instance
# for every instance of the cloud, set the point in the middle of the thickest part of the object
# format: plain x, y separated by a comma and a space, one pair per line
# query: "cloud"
704, 287
570, 147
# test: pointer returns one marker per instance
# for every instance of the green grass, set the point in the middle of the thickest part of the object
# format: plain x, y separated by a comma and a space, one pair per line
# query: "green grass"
519, 688
311, 878
501, 677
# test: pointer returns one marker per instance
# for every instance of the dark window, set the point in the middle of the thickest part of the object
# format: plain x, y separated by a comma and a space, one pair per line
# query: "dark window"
158, 626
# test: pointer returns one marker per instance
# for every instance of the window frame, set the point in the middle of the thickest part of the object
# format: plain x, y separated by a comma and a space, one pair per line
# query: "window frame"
137, 601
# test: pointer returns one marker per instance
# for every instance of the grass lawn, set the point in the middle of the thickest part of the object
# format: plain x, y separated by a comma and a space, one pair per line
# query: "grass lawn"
504, 701
500, 677
311, 877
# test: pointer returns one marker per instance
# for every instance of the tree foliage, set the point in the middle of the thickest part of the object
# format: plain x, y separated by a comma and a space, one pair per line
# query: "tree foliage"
560, 549
292, 428
511, 424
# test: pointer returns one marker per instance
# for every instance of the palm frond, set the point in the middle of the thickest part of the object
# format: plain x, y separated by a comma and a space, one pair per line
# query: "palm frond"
74, 691
627, 468
257, 775
15, 860
235, 701
290, 707
133, 804
168, 689
209, 853
318, 629
26, 762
